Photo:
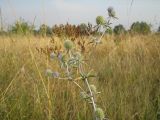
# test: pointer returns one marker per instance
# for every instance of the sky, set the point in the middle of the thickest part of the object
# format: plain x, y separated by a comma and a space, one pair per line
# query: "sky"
53, 12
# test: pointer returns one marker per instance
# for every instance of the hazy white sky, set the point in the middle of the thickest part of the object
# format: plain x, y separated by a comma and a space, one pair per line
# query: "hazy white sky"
77, 11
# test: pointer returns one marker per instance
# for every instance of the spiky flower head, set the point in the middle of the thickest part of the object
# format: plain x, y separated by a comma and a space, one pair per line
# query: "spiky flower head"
62, 59
100, 113
100, 20
60, 56
55, 74
68, 44
111, 12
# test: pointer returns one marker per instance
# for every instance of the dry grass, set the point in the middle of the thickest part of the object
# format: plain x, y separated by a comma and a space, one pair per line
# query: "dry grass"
129, 79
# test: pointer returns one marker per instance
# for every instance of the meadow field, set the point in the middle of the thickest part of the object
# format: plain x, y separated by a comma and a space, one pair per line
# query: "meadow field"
128, 77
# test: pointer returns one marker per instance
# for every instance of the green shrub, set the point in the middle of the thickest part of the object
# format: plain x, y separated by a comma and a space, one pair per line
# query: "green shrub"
119, 29
44, 30
140, 28
21, 27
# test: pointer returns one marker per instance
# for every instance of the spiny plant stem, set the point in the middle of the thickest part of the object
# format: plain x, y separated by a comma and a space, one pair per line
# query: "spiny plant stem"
92, 98
90, 92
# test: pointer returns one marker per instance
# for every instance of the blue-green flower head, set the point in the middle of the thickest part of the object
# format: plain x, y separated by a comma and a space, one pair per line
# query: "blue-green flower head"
60, 55
100, 20
55, 74
68, 44
111, 12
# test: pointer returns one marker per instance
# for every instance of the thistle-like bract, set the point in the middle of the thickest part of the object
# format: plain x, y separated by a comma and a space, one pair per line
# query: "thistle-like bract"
93, 88
68, 44
100, 20
100, 113
84, 95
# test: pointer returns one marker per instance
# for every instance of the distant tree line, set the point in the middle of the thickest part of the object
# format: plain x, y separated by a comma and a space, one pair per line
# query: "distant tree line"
23, 27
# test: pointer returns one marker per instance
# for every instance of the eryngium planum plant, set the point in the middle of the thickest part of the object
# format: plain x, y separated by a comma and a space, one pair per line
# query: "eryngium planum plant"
72, 61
